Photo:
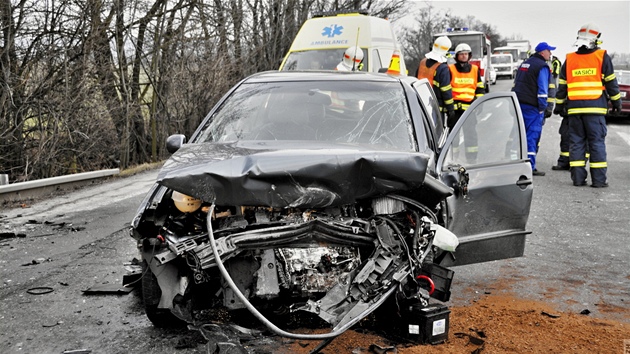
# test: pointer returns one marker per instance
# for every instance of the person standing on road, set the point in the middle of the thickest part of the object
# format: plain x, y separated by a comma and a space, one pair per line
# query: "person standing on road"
433, 67
563, 158
531, 86
467, 86
584, 76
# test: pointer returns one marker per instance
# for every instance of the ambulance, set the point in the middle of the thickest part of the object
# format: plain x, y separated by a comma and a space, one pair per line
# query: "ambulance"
322, 40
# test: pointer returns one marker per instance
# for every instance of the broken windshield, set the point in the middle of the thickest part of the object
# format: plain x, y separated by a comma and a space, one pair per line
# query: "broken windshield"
330, 111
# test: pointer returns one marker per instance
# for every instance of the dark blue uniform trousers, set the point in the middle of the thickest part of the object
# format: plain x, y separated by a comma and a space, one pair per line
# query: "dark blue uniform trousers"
588, 131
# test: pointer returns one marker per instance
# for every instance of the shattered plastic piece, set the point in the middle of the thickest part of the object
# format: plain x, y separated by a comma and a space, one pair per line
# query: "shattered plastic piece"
52, 325
444, 238
108, 289
40, 290
220, 341
585, 312
382, 350
550, 314
133, 276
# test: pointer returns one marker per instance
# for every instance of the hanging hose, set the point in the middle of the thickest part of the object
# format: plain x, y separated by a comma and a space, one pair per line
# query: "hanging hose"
334, 333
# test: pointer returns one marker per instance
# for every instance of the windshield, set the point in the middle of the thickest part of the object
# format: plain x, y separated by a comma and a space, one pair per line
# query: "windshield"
503, 59
333, 111
473, 40
325, 59
512, 52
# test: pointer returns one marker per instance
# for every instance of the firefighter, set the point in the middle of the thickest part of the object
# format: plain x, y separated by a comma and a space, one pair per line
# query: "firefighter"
467, 86
434, 68
531, 86
352, 60
563, 159
554, 69
584, 76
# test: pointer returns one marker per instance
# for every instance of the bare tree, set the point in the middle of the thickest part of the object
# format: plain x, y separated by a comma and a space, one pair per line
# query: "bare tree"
87, 84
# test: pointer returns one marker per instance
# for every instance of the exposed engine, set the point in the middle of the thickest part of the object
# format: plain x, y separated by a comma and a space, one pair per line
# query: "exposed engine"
339, 263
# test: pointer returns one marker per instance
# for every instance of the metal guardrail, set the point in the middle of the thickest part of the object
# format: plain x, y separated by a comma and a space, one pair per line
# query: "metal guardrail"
30, 189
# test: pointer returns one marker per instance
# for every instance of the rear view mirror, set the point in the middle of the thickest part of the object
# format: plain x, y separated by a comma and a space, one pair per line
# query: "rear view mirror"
174, 142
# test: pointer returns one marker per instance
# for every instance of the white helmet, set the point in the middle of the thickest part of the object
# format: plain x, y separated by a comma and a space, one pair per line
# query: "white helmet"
440, 48
588, 36
352, 59
462, 47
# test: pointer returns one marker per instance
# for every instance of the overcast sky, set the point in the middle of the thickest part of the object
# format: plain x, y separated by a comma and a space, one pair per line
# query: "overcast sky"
555, 22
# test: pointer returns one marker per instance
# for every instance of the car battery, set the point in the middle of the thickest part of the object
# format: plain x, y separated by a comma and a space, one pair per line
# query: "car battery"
426, 325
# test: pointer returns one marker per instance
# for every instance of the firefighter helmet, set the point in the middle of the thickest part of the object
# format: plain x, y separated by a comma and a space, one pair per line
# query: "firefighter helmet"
352, 59
462, 47
588, 36
440, 49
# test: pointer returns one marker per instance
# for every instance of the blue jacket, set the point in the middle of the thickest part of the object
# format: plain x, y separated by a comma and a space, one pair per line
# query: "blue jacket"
532, 82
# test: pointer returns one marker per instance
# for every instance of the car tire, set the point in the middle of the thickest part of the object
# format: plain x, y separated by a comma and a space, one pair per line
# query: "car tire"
151, 294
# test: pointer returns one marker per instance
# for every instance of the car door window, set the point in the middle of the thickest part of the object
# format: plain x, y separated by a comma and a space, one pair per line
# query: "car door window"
489, 135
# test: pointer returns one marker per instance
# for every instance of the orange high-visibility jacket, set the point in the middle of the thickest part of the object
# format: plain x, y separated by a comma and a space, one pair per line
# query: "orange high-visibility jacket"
427, 72
584, 75
464, 84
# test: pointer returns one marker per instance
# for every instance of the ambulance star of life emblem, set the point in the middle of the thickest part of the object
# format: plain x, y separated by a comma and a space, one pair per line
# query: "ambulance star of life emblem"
332, 31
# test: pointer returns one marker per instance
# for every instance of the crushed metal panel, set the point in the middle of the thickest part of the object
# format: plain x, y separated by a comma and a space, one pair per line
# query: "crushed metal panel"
284, 174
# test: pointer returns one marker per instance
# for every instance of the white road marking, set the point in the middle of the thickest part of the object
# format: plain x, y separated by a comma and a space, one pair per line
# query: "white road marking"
625, 137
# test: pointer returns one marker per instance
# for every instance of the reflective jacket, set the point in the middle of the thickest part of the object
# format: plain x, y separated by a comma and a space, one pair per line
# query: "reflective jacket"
531, 84
466, 83
441, 82
556, 64
584, 76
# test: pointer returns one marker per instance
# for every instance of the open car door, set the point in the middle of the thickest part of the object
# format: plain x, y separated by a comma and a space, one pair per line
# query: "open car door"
484, 159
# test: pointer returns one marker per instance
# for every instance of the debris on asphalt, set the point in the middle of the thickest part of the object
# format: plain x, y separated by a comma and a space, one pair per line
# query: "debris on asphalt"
37, 261
40, 290
134, 273
53, 324
7, 235
102, 289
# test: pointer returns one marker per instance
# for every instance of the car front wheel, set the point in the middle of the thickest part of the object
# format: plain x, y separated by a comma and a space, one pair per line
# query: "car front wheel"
151, 294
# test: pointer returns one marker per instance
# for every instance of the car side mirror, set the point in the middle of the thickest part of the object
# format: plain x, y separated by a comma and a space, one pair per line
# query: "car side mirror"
174, 142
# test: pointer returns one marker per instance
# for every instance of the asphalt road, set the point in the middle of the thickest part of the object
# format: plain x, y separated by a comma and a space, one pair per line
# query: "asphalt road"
578, 255
576, 258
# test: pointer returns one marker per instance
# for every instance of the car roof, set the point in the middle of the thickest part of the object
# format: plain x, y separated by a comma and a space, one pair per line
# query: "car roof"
326, 75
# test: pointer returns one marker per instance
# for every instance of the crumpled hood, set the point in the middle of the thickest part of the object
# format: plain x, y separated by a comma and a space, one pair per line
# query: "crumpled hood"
284, 174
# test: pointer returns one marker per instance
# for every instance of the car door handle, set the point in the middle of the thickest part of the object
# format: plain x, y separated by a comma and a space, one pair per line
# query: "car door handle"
523, 182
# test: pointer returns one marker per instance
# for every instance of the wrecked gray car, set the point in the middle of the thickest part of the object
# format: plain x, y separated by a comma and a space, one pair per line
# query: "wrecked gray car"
331, 194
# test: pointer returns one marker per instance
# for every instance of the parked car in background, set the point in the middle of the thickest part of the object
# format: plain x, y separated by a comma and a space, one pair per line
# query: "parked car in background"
493, 75
623, 79
331, 194
504, 65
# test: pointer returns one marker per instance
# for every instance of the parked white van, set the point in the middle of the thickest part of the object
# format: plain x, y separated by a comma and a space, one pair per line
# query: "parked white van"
504, 65
322, 40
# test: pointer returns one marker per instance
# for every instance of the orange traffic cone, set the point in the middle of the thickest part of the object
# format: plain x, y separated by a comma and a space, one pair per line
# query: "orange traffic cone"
394, 64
